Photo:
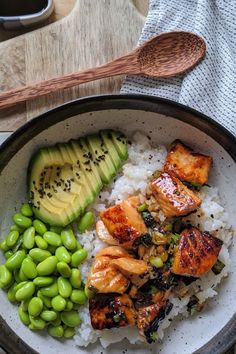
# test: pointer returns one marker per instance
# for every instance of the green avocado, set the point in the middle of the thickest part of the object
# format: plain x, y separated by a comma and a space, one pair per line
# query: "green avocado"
66, 178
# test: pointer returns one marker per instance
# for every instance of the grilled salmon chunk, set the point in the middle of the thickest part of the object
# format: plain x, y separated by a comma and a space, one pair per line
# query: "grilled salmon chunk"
187, 165
104, 234
111, 310
124, 222
104, 278
174, 198
196, 254
134, 269
113, 252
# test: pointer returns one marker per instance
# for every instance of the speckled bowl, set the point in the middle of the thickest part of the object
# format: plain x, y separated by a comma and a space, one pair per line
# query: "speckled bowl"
214, 331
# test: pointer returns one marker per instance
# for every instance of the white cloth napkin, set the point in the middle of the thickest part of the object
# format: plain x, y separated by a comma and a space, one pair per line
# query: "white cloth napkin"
211, 86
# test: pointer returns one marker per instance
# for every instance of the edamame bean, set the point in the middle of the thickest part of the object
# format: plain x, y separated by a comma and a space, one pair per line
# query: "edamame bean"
29, 268
64, 269
79, 246
48, 315
11, 294
78, 257
57, 321
26, 210
69, 332
20, 285
37, 322
12, 238
14, 262
41, 243
71, 318
52, 238
25, 292
52, 249
63, 255
39, 255
69, 306
86, 222
56, 331
24, 304
8, 254
28, 238
17, 276
56, 229
3, 246
39, 226
75, 278
35, 306
16, 228
23, 315
46, 300
64, 287
68, 239
22, 221
43, 281
47, 266
58, 303
50, 291
22, 275
5, 276
78, 297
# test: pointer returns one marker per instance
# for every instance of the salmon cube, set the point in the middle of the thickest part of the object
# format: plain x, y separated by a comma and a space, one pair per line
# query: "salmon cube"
173, 197
196, 254
135, 270
187, 165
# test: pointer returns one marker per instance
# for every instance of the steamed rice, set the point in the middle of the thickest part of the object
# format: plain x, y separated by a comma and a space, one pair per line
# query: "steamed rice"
143, 161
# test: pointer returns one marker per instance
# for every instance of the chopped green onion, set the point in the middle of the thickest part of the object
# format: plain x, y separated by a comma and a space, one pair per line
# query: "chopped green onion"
154, 336
142, 207
156, 262
217, 268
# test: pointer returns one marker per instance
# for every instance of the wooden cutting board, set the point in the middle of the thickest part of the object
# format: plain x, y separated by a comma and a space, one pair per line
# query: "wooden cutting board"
94, 32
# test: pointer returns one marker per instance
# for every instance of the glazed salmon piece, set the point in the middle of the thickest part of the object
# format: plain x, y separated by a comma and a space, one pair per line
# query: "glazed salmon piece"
134, 269
174, 198
124, 222
104, 278
187, 165
113, 252
196, 254
111, 310
104, 234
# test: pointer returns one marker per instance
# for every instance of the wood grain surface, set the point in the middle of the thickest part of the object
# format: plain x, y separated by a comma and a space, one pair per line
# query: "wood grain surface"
93, 33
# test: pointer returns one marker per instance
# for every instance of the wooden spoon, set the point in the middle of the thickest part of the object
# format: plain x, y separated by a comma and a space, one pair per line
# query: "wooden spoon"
165, 55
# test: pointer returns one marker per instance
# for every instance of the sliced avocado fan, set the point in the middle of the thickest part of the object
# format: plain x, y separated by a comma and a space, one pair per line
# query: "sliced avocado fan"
64, 179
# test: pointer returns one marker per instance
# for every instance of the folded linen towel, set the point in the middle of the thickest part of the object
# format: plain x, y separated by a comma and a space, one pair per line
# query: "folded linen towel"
211, 86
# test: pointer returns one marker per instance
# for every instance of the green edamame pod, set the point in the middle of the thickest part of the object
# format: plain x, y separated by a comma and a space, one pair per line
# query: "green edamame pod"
58, 303
71, 318
29, 268
22, 221
78, 257
75, 278
12, 238
56, 331
69, 306
56, 229
46, 300
64, 287
63, 255
35, 306
11, 294
41, 243
26, 210
50, 291
68, 239
3, 246
39, 226
14, 262
52, 238
64, 269
39, 255
86, 222
48, 315
23, 315
22, 275
69, 332
78, 297
37, 322
43, 281
28, 238
47, 266
8, 254
25, 292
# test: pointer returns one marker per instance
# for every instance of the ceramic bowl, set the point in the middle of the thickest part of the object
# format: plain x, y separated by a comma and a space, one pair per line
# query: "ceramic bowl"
214, 330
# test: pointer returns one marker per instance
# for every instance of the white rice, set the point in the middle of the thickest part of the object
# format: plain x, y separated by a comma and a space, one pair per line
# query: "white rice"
143, 161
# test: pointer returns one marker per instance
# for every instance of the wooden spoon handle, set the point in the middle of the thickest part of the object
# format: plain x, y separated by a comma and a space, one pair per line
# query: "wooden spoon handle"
125, 65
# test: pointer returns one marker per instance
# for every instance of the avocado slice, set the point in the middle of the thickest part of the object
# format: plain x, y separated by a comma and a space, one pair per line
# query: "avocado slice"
64, 179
